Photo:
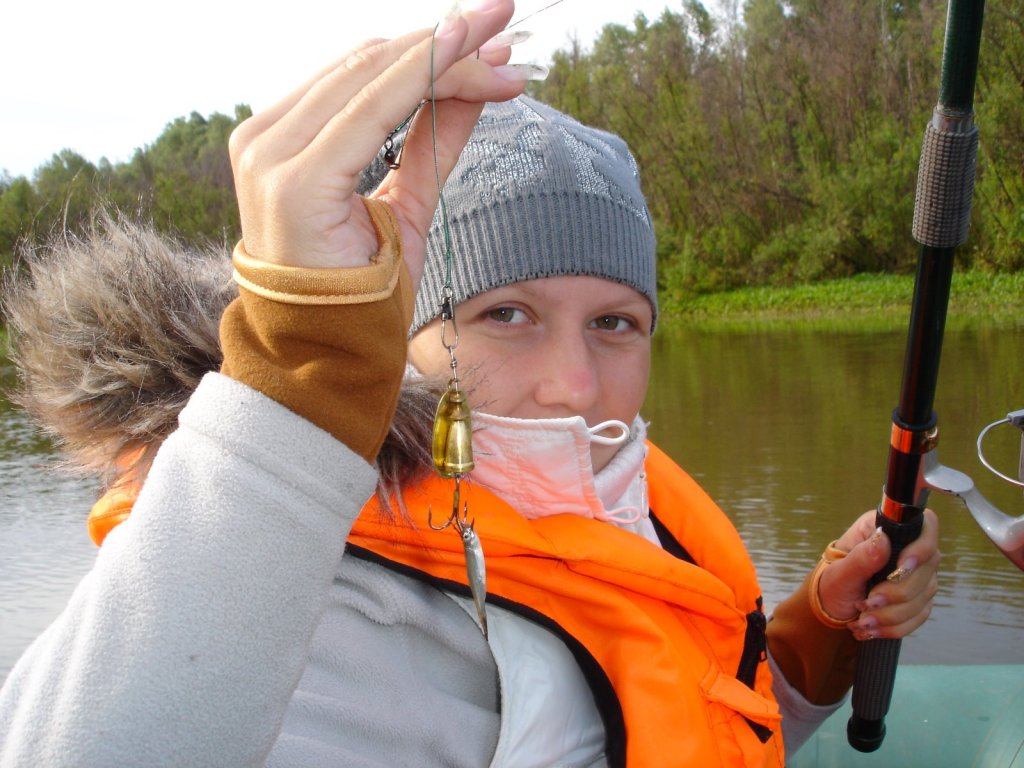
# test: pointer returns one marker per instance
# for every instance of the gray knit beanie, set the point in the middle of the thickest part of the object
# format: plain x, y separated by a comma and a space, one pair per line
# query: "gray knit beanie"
537, 194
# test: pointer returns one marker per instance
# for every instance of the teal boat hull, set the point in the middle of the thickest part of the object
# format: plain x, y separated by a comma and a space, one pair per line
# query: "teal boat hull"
940, 717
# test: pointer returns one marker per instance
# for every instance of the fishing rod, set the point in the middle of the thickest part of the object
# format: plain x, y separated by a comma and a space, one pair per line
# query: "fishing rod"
942, 212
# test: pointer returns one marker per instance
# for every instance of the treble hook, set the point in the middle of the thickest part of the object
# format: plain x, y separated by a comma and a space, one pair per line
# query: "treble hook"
460, 521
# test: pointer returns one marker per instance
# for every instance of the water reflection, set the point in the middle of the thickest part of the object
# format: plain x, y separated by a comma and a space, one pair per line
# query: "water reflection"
44, 548
788, 431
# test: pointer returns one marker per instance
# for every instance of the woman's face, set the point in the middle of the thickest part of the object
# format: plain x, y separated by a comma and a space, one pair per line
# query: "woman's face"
549, 348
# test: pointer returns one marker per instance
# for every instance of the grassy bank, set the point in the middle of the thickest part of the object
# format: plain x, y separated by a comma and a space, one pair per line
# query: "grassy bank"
862, 303
865, 302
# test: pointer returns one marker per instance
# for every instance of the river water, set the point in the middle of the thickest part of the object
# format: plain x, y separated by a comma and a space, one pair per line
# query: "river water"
788, 431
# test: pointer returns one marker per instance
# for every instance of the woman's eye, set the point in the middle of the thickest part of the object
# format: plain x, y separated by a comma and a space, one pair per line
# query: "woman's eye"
507, 315
612, 323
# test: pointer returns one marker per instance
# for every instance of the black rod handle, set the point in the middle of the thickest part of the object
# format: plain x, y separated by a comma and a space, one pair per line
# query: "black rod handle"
877, 659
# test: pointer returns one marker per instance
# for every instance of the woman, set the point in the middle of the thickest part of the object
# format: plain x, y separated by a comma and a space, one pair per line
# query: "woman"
256, 609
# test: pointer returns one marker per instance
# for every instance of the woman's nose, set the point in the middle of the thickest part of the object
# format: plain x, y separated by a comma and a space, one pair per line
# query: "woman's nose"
567, 375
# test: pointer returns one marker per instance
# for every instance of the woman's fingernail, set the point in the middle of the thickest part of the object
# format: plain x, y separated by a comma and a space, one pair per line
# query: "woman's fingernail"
459, 7
865, 634
450, 22
876, 537
875, 601
521, 72
867, 622
906, 568
507, 38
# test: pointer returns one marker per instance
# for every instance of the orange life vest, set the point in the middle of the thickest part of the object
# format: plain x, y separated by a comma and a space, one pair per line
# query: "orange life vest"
670, 639
673, 650
116, 504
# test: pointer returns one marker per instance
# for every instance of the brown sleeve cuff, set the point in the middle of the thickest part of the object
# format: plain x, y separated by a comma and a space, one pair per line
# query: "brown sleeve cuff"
817, 660
348, 285
328, 344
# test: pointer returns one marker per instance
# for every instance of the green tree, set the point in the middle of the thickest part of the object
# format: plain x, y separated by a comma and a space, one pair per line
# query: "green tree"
778, 141
67, 189
999, 194
183, 180
18, 206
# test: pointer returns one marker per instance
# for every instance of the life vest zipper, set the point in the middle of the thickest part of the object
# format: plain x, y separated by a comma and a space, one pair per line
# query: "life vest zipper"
755, 646
755, 651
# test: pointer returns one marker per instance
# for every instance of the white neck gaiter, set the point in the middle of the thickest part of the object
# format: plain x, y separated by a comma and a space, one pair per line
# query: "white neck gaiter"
542, 467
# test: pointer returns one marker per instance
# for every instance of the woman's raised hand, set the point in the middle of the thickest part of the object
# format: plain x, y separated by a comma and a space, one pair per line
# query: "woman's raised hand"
297, 163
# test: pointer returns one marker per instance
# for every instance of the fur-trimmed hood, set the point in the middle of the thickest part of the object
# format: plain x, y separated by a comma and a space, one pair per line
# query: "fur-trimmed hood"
110, 333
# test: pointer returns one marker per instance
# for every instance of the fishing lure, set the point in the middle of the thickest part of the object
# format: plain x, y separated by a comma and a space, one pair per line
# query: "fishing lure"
452, 438
452, 453
452, 448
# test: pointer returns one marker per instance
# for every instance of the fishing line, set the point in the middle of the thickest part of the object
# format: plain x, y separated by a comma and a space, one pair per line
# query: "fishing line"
440, 196
531, 15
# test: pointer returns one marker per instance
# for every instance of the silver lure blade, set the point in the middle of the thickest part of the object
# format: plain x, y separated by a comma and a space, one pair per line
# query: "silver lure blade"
476, 573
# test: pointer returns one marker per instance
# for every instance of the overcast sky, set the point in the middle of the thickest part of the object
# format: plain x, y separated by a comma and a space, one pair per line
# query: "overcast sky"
103, 77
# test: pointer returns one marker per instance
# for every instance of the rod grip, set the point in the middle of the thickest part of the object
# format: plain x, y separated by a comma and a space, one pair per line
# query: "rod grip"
877, 659
945, 186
